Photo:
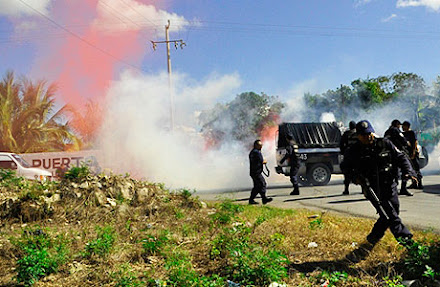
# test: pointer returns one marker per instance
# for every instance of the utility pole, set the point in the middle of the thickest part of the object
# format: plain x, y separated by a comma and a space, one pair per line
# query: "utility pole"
170, 83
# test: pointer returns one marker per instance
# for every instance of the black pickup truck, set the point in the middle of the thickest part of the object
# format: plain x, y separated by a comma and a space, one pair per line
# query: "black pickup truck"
318, 150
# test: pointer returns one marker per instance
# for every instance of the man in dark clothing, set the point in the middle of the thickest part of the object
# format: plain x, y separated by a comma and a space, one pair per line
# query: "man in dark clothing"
349, 138
398, 139
377, 160
413, 150
293, 160
256, 162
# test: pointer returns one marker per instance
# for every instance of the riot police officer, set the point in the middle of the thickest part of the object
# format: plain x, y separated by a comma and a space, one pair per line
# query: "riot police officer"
377, 160
256, 163
348, 138
293, 160
395, 135
411, 137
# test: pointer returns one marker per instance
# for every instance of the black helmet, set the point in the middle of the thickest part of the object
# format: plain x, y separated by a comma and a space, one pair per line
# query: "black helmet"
352, 125
364, 127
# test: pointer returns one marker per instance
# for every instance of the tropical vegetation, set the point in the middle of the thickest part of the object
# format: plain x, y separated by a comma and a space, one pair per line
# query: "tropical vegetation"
29, 121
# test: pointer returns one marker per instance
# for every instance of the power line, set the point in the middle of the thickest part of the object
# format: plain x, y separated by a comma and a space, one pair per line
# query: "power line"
80, 38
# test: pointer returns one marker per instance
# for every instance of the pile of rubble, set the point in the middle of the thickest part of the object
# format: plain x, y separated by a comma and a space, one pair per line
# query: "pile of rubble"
106, 191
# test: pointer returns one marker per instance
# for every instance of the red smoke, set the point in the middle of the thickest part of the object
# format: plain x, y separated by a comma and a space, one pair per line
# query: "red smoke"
84, 64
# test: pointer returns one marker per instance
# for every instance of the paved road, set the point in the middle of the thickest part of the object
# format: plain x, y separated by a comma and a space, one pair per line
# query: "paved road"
420, 211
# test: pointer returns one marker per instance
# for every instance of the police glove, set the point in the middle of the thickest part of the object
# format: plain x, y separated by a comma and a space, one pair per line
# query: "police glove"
407, 176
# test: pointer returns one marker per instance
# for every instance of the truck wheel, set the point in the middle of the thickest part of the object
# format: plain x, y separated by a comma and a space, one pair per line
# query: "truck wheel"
303, 180
319, 174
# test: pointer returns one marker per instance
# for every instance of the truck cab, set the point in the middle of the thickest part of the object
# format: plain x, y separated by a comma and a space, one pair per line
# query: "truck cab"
317, 146
22, 168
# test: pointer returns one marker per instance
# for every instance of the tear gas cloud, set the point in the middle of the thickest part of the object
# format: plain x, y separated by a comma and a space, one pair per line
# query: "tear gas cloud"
136, 133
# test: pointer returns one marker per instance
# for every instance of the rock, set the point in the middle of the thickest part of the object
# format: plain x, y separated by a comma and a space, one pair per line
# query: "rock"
111, 201
126, 190
412, 283
100, 198
141, 194
84, 185
312, 245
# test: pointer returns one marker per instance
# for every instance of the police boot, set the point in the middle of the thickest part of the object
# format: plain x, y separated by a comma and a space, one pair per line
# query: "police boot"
420, 185
295, 190
404, 191
267, 199
346, 192
413, 185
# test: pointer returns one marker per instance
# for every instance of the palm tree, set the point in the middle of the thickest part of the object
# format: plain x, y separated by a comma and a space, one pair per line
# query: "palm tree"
28, 121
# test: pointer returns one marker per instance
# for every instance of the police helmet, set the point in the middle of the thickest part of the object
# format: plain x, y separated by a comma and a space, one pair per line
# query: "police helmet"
364, 127
352, 125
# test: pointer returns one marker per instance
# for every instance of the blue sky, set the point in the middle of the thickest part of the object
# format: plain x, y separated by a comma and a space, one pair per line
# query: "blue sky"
273, 46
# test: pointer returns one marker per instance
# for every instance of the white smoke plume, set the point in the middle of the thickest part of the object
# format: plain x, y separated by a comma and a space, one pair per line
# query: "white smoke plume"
136, 133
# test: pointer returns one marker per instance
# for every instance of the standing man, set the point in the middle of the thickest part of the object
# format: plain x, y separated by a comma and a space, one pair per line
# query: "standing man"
256, 162
293, 160
348, 139
377, 160
411, 137
398, 139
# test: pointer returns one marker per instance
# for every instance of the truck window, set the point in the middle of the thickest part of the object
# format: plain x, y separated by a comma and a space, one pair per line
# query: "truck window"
7, 163
21, 161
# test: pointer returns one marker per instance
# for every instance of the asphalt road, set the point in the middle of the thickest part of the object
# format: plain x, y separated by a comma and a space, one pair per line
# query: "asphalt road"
421, 211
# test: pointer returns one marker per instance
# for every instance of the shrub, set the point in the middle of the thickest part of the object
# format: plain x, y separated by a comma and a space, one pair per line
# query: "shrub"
227, 212
77, 173
153, 245
126, 278
423, 259
103, 243
40, 255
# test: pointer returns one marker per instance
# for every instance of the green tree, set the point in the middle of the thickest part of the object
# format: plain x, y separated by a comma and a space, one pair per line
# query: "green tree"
411, 91
243, 119
28, 121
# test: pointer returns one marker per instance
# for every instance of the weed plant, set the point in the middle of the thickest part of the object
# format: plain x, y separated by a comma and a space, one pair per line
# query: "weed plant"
154, 245
40, 255
103, 244
77, 173
125, 277
423, 260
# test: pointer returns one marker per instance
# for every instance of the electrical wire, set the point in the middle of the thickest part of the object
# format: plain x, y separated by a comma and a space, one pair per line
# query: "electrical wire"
80, 38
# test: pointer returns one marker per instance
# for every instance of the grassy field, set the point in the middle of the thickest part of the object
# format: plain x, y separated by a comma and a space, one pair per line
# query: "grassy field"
115, 231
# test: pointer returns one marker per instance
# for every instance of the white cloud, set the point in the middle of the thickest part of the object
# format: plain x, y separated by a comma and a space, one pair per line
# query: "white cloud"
432, 4
130, 15
361, 2
389, 18
17, 8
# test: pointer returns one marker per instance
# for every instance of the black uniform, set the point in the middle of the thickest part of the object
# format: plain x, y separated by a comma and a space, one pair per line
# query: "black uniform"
397, 138
379, 163
256, 170
411, 137
348, 138
293, 160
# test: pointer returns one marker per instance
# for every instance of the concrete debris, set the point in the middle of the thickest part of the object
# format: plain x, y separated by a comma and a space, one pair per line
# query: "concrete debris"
312, 245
